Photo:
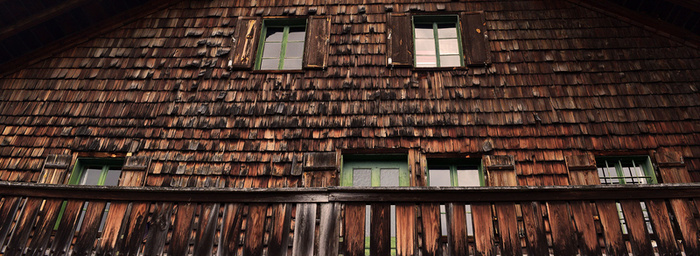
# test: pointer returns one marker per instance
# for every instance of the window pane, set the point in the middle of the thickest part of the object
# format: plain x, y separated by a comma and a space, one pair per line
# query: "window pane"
424, 30
274, 34
439, 177
272, 50
443, 220
296, 34
425, 47
470, 222
91, 176
270, 64
389, 177
426, 61
112, 178
468, 177
295, 50
361, 177
292, 64
449, 46
608, 175
450, 61
447, 31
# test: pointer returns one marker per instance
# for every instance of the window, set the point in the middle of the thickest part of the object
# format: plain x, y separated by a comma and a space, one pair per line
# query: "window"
454, 173
437, 41
625, 170
376, 171
281, 44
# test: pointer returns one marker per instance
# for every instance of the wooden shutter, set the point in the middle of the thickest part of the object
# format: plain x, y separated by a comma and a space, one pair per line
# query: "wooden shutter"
317, 37
474, 39
134, 171
399, 40
55, 169
246, 34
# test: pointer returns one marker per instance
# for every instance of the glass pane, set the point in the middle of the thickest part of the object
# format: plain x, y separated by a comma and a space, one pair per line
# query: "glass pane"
270, 64
608, 175
424, 30
361, 177
443, 220
389, 177
425, 47
295, 50
448, 46
392, 223
470, 222
272, 50
91, 176
112, 178
274, 34
426, 61
368, 213
450, 61
468, 177
447, 30
296, 34
292, 64
439, 178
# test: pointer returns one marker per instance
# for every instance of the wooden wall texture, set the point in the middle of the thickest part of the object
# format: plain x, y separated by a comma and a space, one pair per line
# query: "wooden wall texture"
564, 80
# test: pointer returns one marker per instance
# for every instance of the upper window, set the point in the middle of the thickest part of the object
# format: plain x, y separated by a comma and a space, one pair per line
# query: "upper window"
97, 171
375, 171
453, 173
625, 170
437, 41
281, 44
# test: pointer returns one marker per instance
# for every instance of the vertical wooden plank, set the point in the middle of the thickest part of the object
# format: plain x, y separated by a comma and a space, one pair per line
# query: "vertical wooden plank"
255, 228
687, 224
279, 236
474, 39
661, 221
110, 233
639, 236
483, 229
610, 220
405, 229
430, 219
562, 230
585, 225
247, 34
231, 230
204, 240
87, 236
399, 39
182, 227
328, 232
304, 229
7, 215
534, 228
457, 229
317, 42
24, 226
158, 231
66, 228
508, 227
353, 230
380, 233
135, 229
45, 223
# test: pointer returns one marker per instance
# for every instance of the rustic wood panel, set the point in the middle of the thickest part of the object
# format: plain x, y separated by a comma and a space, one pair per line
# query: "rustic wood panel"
475, 40
7, 215
534, 228
380, 230
562, 228
24, 226
354, 230
637, 229
46, 220
135, 229
113, 223
430, 221
304, 228
206, 231
328, 230
406, 229
86, 238
583, 213
247, 34
399, 39
508, 229
483, 229
457, 229
279, 236
255, 230
231, 229
609, 218
687, 224
317, 42
66, 228
663, 229
160, 223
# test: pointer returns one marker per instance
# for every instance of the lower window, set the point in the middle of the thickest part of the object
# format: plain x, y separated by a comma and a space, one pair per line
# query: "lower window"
625, 170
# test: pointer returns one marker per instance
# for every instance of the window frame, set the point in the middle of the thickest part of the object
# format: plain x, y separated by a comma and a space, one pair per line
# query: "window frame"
644, 163
375, 163
435, 20
453, 165
285, 23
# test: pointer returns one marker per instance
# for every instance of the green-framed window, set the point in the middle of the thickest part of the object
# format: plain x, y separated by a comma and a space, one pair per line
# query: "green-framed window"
281, 44
437, 41
455, 173
625, 170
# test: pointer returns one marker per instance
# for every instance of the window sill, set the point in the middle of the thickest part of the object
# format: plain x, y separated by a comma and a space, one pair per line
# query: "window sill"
275, 71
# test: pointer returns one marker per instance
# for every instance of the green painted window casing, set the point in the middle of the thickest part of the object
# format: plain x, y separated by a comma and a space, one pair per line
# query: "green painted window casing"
375, 163
285, 24
435, 21
627, 161
453, 165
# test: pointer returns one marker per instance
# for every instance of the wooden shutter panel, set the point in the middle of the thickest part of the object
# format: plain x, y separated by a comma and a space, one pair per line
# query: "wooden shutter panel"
317, 37
399, 40
134, 171
55, 169
246, 34
475, 40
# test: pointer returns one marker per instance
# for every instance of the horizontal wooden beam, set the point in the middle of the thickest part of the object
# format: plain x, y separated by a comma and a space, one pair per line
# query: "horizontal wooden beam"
352, 194
39, 18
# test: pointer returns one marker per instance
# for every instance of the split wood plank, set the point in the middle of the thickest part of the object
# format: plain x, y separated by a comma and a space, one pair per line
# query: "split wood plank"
304, 230
87, 236
110, 233
182, 227
687, 224
66, 228
534, 228
508, 229
7, 215
380, 230
405, 229
639, 236
585, 225
483, 229
430, 219
354, 230
25, 224
279, 236
327, 239
661, 221
317, 42
255, 230
231, 229
135, 230
564, 242
609, 218
160, 223
208, 220
457, 229
46, 221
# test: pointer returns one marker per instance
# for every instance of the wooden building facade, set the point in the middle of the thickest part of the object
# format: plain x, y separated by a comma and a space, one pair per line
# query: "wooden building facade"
387, 127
